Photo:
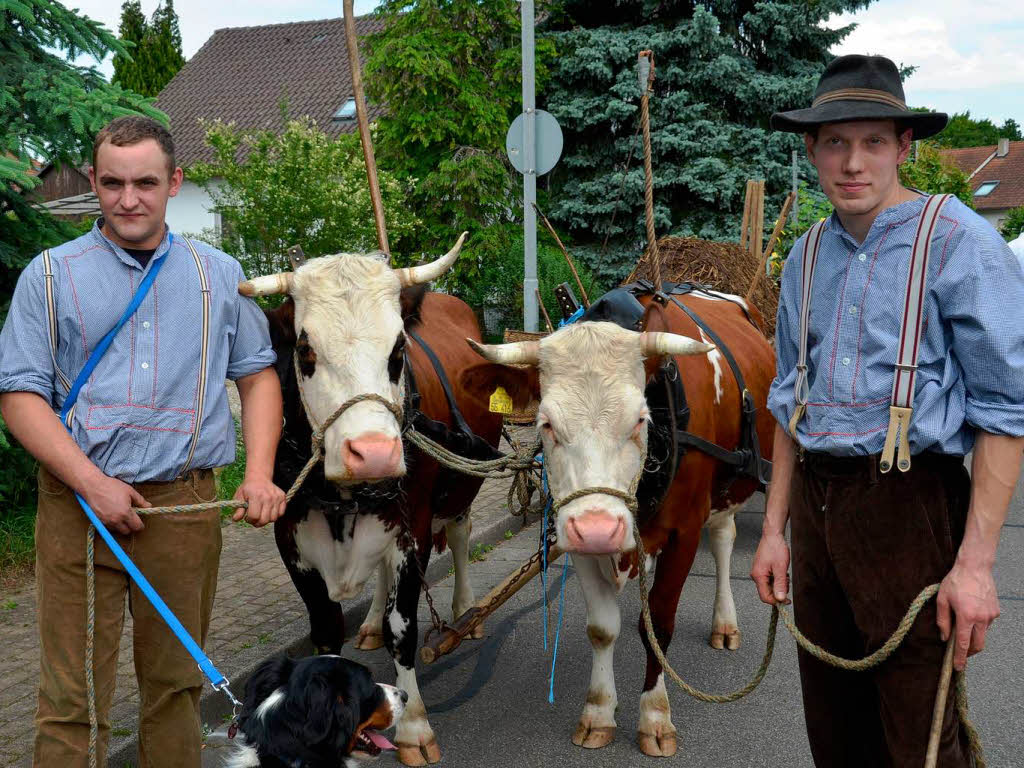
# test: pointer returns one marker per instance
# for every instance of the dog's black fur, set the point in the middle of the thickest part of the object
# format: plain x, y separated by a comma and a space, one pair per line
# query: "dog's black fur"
315, 724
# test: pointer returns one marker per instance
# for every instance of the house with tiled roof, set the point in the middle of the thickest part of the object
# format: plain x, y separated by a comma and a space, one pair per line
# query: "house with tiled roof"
996, 174
258, 77
254, 77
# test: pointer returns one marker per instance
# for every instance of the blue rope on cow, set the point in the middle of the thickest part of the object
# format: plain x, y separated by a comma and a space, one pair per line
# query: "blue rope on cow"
544, 549
558, 631
572, 318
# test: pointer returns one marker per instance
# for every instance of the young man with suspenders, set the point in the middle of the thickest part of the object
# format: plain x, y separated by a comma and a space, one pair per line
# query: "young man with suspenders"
899, 350
148, 426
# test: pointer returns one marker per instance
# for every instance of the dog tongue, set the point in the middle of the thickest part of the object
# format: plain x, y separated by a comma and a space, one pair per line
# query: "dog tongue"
380, 740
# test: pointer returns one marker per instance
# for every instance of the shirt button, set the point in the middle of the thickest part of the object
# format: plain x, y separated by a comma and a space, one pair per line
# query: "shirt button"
846, 361
853, 309
145, 365
145, 324
863, 257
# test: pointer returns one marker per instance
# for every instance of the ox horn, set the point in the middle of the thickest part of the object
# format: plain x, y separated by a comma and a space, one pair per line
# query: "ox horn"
514, 353
267, 285
654, 343
425, 273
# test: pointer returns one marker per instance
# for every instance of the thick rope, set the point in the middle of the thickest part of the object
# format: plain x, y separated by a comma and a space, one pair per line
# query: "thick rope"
854, 665
645, 122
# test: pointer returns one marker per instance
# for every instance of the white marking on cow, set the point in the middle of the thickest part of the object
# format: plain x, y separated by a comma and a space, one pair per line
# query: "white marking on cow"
715, 358
655, 710
398, 625
374, 621
269, 703
458, 532
346, 565
721, 527
413, 728
720, 296
599, 581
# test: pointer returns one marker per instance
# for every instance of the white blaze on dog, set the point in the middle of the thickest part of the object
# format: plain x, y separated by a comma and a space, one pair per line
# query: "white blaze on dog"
345, 567
270, 702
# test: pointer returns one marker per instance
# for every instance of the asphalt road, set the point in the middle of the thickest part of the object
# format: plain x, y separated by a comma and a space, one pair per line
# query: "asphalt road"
488, 701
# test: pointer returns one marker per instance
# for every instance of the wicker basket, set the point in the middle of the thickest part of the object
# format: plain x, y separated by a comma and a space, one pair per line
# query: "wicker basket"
529, 414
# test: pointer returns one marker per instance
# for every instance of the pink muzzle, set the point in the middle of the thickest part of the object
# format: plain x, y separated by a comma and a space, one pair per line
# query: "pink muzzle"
372, 456
596, 532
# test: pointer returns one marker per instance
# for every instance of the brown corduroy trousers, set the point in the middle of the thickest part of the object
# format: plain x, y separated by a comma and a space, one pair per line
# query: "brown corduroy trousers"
864, 545
179, 555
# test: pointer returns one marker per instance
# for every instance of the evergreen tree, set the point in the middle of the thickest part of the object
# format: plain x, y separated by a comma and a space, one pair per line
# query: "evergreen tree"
722, 68
132, 32
50, 110
155, 55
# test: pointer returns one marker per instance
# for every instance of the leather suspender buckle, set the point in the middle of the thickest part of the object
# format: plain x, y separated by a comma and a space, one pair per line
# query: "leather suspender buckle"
899, 422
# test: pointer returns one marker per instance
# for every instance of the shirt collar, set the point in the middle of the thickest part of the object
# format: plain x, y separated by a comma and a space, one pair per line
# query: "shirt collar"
163, 248
904, 210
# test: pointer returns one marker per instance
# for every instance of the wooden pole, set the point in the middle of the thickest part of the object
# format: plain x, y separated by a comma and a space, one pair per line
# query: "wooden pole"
932, 755
779, 223
364, 127
757, 223
568, 258
745, 224
450, 639
544, 311
646, 85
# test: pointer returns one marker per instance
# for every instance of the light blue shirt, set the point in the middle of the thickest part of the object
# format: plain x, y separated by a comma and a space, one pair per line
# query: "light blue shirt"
971, 361
135, 417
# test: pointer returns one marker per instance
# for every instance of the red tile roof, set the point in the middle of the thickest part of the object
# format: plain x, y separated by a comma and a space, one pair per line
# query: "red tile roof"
1007, 170
244, 74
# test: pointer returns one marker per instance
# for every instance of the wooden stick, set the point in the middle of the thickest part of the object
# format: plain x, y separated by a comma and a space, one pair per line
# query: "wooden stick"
568, 258
779, 224
757, 223
544, 311
364, 127
450, 639
932, 755
745, 224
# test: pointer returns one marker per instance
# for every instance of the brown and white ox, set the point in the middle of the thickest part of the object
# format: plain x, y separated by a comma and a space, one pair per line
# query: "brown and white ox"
593, 421
344, 326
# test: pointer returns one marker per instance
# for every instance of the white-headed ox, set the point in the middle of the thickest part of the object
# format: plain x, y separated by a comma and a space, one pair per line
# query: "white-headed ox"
590, 378
373, 505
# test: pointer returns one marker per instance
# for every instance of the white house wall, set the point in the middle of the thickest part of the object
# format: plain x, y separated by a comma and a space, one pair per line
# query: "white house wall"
191, 210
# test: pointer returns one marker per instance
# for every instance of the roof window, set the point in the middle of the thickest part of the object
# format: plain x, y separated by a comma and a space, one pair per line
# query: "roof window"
985, 188
346, 111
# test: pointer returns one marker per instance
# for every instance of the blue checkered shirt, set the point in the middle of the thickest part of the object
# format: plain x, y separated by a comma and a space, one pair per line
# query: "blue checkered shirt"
135, 416
971, 362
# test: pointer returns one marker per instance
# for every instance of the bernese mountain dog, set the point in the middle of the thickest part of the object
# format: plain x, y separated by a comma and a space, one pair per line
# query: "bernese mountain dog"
317, 712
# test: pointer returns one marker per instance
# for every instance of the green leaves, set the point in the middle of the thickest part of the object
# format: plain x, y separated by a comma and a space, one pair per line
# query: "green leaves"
299, 187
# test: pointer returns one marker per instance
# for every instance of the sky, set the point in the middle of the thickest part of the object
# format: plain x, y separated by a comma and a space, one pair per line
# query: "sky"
969, 54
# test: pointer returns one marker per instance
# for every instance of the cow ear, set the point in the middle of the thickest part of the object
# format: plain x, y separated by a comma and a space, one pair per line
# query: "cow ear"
281, 322
653, 320
481, 380
411, 302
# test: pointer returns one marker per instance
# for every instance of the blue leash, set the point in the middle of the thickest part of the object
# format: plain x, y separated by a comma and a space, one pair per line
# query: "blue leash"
217, 680
544, 587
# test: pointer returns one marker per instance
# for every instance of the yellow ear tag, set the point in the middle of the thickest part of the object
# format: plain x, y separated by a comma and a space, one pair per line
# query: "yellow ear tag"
500, 401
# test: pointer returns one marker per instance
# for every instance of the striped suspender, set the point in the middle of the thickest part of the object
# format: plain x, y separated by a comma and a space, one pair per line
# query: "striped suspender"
897, 437
902, 403
51, 327
205, 341
810, 257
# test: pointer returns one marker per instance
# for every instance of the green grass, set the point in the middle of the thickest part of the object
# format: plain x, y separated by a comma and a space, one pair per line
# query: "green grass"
9, 605
479, 552
121, 731
508, 534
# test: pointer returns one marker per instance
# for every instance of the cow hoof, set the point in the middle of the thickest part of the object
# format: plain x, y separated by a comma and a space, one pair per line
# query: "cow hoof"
369, 638
419, 754
593, 736
722, 640
478, 632
654, 745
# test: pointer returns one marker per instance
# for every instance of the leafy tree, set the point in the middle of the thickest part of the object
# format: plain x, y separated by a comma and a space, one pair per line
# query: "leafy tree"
156, 53
297, 187
1013, 227
449, 73
964, 131
722, 68
930, 172
50, 109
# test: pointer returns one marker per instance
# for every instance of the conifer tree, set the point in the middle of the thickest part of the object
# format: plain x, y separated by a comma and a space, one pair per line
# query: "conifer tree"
132, 32
50, 110
722, 68
164, 46
155, 55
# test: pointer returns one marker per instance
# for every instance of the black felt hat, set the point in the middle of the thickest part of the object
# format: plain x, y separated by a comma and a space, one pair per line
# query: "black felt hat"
859, 88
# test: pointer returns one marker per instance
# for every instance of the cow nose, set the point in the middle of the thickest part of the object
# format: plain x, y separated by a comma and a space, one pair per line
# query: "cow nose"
373, 456
596, 532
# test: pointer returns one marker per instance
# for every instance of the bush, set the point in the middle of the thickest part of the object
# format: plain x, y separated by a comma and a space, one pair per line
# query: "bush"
17, 502
1013, 227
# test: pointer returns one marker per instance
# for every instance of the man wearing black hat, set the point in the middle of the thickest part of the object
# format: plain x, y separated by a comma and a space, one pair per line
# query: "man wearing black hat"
894, 360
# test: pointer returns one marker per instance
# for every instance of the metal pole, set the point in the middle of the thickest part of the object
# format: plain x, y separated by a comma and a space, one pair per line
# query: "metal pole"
530, 284
795, 190
364, 127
